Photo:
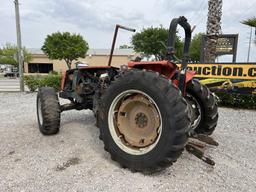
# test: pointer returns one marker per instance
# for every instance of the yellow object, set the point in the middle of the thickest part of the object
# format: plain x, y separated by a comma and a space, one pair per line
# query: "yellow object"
224, 71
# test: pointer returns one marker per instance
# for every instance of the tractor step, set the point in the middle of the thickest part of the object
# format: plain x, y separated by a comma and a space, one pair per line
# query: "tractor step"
196, 146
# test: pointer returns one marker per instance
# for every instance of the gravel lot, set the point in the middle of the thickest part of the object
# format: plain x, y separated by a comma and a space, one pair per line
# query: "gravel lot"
74, 160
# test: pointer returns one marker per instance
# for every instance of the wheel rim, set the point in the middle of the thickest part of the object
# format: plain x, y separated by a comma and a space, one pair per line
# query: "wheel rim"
135, 122
39, 112
195, 111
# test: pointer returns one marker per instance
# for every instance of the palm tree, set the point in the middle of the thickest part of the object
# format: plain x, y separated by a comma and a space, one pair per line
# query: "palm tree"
213, 29
251, 22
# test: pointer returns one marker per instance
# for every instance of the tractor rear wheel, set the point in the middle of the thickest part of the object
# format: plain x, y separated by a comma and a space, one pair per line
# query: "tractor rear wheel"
48, 111
203, 108
143, 120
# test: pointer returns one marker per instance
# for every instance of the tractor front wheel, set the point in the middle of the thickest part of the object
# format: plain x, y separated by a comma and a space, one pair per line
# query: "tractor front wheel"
48, 111
203, 108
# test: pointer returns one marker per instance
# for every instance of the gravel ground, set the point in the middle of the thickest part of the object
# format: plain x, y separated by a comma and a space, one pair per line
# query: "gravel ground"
74, 160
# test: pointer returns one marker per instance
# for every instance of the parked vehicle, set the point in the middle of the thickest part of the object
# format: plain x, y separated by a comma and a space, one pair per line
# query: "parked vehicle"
11, 71
2, 67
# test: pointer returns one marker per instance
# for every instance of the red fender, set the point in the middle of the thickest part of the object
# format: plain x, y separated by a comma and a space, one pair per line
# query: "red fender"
166, 68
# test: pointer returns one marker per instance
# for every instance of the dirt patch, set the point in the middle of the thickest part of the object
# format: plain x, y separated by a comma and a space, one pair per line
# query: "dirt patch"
68, 163
11, 152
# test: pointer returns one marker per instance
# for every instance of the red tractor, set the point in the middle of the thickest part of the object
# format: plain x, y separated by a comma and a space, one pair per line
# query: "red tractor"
146, 111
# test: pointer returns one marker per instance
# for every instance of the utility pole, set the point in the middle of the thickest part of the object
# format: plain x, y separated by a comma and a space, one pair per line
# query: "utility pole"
249, 48
17, 14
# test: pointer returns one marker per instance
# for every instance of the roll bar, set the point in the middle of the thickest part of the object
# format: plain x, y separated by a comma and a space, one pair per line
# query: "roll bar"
182, 21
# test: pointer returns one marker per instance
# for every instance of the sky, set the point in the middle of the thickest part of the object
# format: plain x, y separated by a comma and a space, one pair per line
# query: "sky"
95, 20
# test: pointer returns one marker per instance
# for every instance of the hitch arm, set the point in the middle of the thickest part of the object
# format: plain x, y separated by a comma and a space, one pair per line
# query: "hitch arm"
199, 154
196, 145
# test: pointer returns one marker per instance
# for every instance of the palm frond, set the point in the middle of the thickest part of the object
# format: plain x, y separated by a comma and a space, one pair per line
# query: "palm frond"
250, 22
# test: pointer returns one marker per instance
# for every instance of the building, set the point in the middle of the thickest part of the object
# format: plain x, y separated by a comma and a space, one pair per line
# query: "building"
40, 63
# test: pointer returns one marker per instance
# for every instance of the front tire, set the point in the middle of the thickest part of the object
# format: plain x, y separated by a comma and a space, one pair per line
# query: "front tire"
48, 111
143, 120
203, 108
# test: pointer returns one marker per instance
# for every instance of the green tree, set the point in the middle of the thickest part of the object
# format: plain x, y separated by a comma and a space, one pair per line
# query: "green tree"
152, 41
125, 46
9, 54
195, 47
65, 46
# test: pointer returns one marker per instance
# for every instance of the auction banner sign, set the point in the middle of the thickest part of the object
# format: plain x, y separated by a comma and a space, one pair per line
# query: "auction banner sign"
227, 77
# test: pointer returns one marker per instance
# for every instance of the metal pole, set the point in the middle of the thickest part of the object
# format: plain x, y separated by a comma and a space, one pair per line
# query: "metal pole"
113, 45
16, 2
114, 40
249, 48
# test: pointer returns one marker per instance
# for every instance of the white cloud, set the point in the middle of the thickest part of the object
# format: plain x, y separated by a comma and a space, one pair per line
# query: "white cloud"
95, 19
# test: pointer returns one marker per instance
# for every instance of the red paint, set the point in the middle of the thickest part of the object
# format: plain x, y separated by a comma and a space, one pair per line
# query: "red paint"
189, 75
165, 68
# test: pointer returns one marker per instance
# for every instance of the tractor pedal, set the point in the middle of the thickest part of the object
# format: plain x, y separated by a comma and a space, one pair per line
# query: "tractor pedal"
196, 151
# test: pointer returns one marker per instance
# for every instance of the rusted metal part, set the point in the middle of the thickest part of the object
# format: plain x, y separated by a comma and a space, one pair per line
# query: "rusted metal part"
114, 40
196, 145
199, 154
138, 121
68, 106
72, 105
141, 120
206, 139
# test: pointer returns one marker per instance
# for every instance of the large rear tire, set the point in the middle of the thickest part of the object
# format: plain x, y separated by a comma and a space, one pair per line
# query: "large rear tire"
48, 111
203, 107
143, 120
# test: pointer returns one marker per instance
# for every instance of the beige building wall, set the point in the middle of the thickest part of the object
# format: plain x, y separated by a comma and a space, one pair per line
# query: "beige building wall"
92, 60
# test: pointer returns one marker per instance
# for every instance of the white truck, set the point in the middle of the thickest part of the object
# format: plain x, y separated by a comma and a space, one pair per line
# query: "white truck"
10, 71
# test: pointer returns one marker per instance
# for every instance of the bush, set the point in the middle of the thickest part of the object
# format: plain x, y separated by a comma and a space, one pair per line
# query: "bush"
53, 72
50, 81
34, 82
237, 100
